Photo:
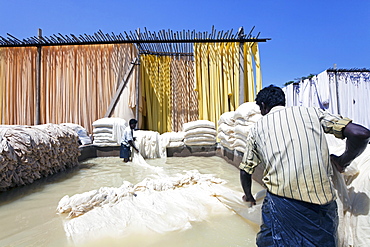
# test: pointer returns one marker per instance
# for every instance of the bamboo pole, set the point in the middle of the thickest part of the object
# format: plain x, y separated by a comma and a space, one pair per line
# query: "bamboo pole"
38, 80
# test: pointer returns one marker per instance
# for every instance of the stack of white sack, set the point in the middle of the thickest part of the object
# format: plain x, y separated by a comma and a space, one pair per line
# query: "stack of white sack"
225, 130
353, 189
173, 139
108, 131
28, 153
83, 136
246, 115
200, 133
149, 144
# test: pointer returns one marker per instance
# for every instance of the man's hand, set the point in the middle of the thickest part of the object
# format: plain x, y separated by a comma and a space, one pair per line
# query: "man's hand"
249, 199
335, 160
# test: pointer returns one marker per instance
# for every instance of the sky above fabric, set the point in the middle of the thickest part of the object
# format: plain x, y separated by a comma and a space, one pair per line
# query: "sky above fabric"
307, 37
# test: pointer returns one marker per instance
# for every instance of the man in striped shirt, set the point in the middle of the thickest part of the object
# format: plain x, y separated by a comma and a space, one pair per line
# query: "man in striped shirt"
299, 208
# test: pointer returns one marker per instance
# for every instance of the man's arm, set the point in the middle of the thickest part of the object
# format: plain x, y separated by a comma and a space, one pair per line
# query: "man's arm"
357, 140
133, 145
246, 181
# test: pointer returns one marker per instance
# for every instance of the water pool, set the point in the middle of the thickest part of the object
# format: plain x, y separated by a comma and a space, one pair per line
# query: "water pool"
29, 215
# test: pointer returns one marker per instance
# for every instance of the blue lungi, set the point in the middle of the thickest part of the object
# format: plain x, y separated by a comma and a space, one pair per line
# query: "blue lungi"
289, 222
124, 151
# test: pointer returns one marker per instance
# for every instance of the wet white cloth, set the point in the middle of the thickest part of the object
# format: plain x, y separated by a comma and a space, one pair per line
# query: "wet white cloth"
353, 197
159, 203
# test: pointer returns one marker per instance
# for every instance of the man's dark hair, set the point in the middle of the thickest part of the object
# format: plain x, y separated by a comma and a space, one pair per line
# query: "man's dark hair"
271, 96
132, 121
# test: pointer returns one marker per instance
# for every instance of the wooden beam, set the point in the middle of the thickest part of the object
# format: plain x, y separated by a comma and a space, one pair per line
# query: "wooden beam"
120, 88
38, 81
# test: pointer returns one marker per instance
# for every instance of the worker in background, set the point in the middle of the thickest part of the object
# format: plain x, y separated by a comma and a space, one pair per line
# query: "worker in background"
289, 142
128, 141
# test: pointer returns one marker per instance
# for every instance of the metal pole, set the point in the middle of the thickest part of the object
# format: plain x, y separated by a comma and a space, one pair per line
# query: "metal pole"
241, 74
337, 94
137, 89
241, 67
38, 79
138, 81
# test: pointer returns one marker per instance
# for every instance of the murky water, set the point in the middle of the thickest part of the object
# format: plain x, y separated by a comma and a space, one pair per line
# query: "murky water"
28, 215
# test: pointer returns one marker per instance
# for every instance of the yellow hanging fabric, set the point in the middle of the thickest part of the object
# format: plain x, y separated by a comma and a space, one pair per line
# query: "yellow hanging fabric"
257, 61
235, 67
217, 78
252, 71
2, 81
249, 86
156, 84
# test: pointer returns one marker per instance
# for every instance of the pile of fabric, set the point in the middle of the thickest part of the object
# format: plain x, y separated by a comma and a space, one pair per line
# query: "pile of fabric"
108, 131
28, 153
173, 139
234, 126
83, 136
200, 133
149, 144
225, 130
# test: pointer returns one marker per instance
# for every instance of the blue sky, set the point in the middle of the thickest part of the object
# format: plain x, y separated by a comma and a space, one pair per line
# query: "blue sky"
307, 37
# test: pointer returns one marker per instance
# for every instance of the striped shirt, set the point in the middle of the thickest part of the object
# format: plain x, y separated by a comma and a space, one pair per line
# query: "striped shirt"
291, 145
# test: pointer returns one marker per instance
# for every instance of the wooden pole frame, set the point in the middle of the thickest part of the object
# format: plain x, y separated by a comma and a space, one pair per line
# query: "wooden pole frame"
38, 81
120, 88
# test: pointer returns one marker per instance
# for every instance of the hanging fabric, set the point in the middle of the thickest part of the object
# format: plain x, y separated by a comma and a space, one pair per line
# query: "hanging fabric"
217, 78
256, 56
17, 85
184, 97
77, 82
156, 86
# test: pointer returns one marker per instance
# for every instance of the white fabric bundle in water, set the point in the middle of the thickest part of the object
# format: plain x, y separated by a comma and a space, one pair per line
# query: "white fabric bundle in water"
108, 131
159, 203
200, 133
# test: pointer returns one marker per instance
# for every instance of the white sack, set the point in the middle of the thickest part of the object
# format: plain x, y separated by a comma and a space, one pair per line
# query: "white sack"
227, 118
198, 124
200, 132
